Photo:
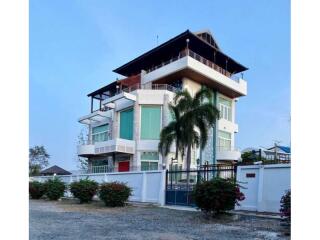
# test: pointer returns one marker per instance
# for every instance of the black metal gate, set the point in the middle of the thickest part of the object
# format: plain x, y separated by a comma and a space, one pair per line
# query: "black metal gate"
179, 190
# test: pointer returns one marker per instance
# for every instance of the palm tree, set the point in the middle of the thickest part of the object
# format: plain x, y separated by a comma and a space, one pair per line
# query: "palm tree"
193, 118
172, 133
199, 114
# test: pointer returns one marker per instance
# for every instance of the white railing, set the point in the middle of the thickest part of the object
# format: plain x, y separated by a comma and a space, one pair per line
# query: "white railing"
188, 52
100, 169
150, 87
107, 137
227, 148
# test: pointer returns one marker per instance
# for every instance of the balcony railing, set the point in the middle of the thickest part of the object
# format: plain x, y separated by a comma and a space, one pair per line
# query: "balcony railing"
107, 168
106, 136
201, 59
227, 148
150, 87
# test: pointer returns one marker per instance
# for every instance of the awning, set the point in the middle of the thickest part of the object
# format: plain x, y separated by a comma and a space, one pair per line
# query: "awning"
96, 116
123, 95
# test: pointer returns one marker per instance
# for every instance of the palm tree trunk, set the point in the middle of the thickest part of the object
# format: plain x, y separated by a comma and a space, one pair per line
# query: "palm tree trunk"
188, 163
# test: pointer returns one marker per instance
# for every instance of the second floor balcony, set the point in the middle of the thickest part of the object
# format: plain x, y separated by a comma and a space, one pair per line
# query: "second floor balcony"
106, 146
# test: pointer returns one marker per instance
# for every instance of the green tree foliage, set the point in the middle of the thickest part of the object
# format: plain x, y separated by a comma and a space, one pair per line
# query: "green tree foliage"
193, 113
38, 159
36, 189
55, 188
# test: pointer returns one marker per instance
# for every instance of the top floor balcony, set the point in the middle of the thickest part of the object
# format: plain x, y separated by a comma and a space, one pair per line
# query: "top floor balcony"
190, 64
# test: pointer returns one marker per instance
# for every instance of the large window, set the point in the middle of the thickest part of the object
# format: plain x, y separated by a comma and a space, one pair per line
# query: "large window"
101, 133
126, 124
149, 161
225, 107
150, 122
224, 143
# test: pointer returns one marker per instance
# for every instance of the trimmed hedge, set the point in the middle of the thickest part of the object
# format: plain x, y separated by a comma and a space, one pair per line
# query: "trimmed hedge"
217, 195
55, 188
84, 190
114, 194
36, 189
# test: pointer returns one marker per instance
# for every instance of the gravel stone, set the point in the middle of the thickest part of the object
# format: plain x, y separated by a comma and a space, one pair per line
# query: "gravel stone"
70, 220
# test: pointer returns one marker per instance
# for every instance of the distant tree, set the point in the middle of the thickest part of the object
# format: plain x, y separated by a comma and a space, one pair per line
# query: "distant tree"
82, 161
38, 159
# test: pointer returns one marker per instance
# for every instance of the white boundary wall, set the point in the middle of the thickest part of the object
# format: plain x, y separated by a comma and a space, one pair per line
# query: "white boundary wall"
265, 185
147, 186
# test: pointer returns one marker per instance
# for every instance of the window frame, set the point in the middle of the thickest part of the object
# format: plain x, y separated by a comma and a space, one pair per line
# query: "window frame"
106, 133
225, 110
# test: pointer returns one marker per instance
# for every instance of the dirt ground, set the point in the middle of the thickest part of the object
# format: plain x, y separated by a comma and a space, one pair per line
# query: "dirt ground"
69, 220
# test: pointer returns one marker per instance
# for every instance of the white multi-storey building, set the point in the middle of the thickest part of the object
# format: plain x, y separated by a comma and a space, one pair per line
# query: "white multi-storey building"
124, 130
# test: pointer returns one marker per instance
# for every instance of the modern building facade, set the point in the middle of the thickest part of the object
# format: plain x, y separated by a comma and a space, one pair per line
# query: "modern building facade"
127, 115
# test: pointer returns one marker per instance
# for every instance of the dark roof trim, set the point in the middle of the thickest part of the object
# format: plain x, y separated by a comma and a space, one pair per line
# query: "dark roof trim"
151, 51
55, 169
103, 89
184, 34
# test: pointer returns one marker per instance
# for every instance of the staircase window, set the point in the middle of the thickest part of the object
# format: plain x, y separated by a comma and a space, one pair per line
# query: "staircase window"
225, 107
101, 133
224, 141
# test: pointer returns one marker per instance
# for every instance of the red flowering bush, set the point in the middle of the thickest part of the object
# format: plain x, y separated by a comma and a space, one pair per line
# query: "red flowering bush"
84, 190
285, 209
114, 194
217, 195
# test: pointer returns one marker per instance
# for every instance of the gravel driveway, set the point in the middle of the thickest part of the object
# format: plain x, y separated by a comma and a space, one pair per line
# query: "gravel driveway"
68, 220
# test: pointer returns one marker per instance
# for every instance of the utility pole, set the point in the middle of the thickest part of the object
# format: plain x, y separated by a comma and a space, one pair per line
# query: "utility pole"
276, 142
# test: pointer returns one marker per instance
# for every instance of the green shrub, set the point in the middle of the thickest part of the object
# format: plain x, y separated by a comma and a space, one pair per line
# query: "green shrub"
36, 189
114, 194
217, 195
84, 190
54, 188
285, 209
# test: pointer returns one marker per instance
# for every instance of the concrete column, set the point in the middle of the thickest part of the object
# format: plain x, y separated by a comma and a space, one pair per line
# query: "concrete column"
162, 189
136, 130
144, 187
115, 124
165, 121
260, 203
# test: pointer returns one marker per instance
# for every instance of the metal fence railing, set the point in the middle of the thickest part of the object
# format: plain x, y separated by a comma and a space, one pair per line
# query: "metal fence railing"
196, 56
179, 188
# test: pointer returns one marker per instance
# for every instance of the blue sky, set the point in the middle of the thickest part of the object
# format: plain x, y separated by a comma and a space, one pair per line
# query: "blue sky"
75, 45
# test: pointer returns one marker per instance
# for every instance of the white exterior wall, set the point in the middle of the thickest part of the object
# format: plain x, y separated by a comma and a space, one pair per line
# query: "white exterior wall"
147, 186
190, 63
263, 192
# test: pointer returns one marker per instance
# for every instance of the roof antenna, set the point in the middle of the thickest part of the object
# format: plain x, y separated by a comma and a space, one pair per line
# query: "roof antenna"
157, 39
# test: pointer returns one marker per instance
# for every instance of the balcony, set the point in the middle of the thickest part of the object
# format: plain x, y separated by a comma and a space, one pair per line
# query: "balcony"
119, 145
228, 153
192, 65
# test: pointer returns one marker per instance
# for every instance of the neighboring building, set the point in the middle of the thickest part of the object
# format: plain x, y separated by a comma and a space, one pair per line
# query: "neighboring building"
124, 127
275, 153
54, 170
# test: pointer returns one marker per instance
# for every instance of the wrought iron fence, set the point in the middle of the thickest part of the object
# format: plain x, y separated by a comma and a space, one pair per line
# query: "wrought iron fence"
180, 183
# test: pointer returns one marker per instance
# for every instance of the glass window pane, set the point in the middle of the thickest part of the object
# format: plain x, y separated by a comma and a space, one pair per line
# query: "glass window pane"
150, 122
149, 156
126, 124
